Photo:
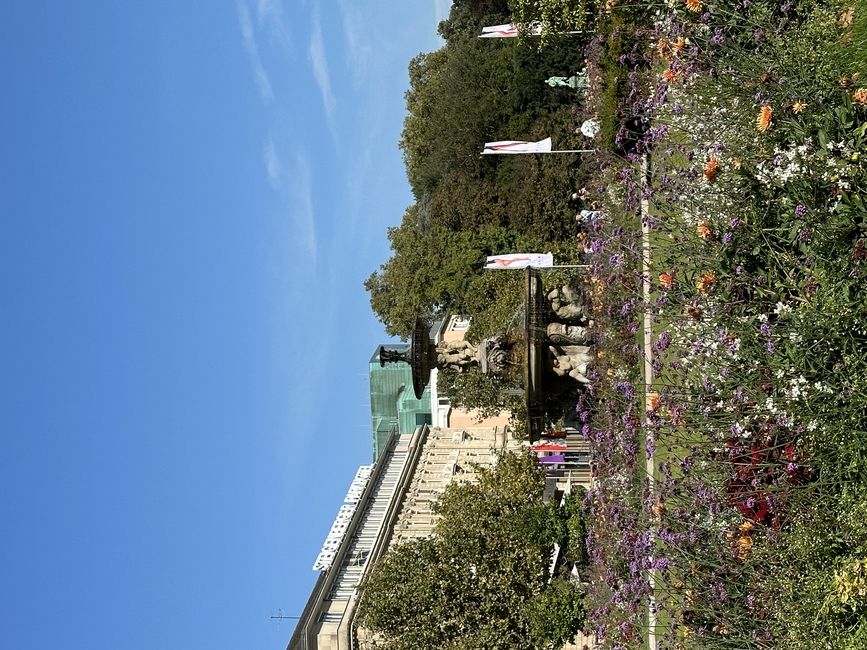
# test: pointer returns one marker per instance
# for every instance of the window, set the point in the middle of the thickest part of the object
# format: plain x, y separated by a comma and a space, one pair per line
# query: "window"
459, 324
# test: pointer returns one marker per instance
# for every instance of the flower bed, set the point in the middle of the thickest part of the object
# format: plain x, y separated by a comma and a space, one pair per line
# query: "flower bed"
751, 533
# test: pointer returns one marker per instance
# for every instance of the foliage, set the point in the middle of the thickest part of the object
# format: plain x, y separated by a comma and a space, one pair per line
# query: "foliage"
555, 614
576, 527
466, 205
555, 17
756, 421
472, 389
476, 582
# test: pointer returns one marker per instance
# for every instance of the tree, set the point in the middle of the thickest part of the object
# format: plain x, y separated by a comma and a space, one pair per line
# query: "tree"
554, 16
481, 581
466, 205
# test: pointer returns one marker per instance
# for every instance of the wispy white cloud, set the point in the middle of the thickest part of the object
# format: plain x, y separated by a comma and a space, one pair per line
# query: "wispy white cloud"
273, 167
268, 9
319, 61
269, 14
441, 9
358, 48
249, 36
302, 212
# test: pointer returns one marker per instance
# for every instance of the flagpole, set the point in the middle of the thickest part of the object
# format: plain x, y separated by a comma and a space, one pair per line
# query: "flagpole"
496, 35
553, 266
523, 153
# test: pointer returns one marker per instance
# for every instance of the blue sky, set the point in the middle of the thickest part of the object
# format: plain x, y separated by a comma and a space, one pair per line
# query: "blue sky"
192, 194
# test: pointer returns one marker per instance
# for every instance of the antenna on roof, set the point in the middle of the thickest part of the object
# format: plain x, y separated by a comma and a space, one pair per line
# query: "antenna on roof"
279, 617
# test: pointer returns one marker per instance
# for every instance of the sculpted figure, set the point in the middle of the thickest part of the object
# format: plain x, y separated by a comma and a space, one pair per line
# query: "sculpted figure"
571, 360
570, 303
456, 354
562, 334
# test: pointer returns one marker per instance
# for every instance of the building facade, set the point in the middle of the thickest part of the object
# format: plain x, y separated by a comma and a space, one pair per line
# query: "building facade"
393, 403
393, 505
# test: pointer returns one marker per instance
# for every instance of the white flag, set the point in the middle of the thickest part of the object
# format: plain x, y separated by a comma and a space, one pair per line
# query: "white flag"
520, 261
518, 146
508, 31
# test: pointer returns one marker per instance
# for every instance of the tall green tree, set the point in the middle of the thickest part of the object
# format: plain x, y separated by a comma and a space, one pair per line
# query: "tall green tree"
554, 16
481, 581
468, 206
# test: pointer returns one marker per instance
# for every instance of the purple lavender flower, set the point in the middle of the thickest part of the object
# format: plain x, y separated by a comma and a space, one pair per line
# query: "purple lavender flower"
662, 342
727, 238
661, 563
765, 329
625, 388
800, 210
735, 222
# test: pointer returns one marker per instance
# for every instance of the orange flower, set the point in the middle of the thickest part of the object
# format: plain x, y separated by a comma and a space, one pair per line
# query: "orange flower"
711, 170
746, 527
704, 230
668, 75
763, 121
799, 106
664, 48
653, 401
846, 17
745, 545
666, 280
847, 81
678, 44
860, 96
707, 280
694, 5
658, 509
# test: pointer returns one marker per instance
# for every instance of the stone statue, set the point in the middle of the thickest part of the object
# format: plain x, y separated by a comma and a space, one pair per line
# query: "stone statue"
562, 334
578, 81
457, 355
590, 128
571, 360
570, 304
495, 357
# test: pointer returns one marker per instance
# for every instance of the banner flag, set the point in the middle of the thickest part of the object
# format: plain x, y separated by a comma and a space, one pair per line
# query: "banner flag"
518, 146
508, 31
520, 261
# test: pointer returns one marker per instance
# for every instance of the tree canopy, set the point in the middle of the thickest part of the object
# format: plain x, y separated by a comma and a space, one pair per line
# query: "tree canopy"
467, 206
482, 580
